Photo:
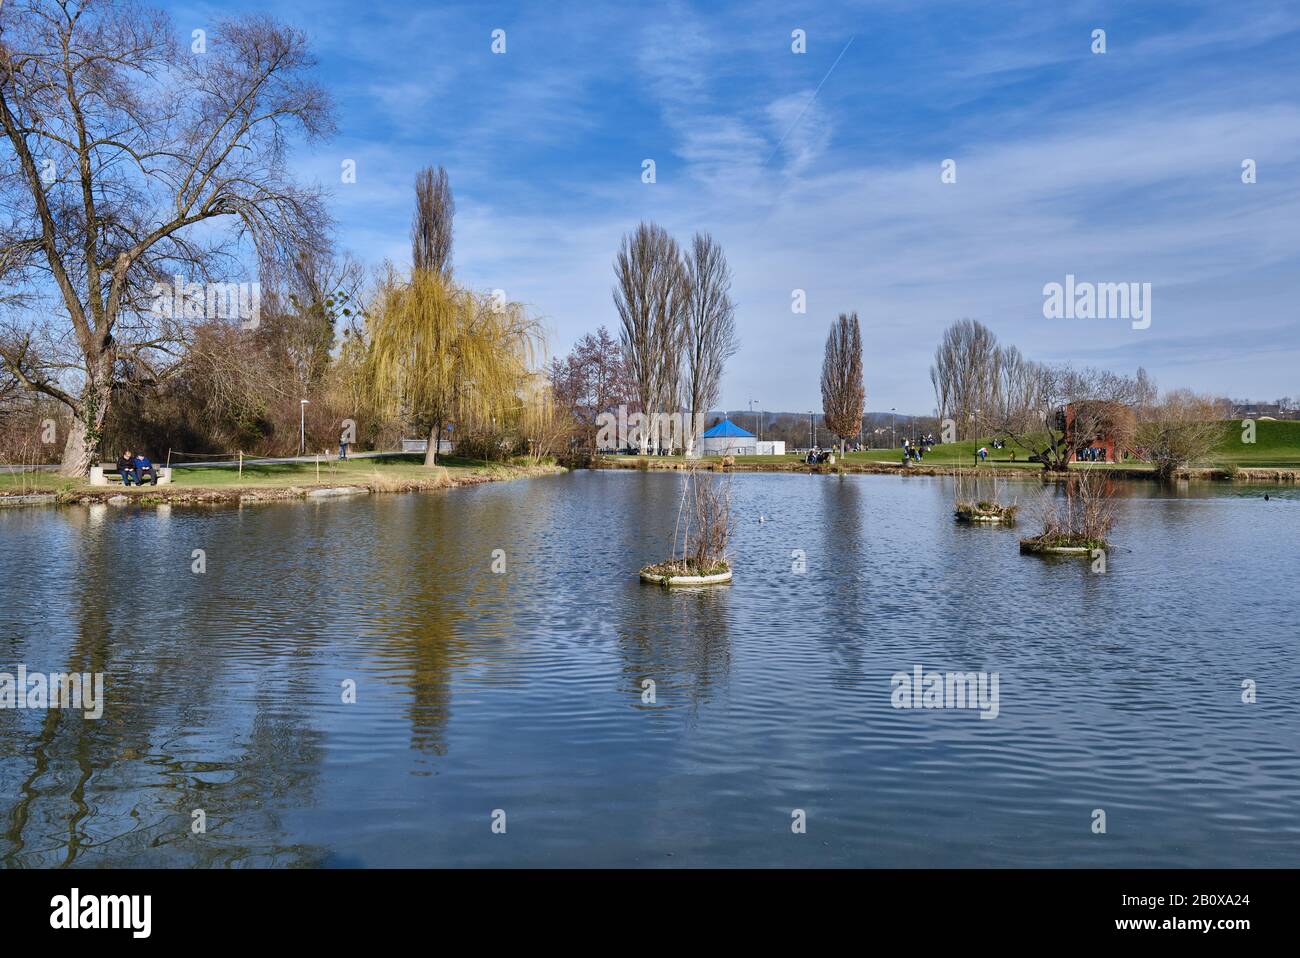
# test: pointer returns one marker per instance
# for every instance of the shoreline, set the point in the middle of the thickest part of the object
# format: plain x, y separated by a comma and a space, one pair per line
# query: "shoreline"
237, 495
1245, 475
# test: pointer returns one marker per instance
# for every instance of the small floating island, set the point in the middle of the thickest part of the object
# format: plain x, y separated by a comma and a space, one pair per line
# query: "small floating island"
685, 572
1061, 545
699, 554
967, 511
1078, 523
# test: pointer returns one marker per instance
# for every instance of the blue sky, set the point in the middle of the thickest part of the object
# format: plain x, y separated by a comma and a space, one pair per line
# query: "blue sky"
1116, 167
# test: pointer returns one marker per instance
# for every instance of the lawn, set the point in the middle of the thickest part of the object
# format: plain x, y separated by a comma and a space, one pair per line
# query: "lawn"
276, 475
1277, 445
279, 474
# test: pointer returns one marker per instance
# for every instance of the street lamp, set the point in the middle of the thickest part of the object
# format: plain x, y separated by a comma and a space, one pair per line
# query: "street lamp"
302, 427
893, 428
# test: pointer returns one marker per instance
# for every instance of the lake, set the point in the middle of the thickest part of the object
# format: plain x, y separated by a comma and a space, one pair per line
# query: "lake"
519, 696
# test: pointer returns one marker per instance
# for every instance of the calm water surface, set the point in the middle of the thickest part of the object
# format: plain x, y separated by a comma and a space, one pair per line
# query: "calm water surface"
522, 691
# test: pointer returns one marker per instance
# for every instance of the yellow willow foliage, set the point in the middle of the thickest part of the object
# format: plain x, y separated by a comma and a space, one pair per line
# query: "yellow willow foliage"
542, 421
445, 353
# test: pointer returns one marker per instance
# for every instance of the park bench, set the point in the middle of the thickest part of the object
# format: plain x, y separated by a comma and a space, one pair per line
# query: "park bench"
106, 474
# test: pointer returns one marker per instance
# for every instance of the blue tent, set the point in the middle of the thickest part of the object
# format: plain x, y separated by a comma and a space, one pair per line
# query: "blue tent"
727, 430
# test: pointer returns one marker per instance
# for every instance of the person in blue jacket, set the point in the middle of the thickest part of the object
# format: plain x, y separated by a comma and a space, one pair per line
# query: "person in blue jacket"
144, 469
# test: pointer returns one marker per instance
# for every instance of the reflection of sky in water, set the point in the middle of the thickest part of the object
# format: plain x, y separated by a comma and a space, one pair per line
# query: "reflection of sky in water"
522, 691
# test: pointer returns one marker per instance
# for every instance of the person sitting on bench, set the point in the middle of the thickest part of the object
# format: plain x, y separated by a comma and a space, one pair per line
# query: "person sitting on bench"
144, 468
126, 468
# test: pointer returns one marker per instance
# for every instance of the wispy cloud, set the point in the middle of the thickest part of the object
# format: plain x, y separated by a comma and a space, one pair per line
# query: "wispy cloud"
1122, 166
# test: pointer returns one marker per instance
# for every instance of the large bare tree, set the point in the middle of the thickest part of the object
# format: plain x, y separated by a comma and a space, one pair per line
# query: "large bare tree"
1184, 428
650, 296
431, 227
1075, 406
710, 328
965, 375
843, 392
133, 160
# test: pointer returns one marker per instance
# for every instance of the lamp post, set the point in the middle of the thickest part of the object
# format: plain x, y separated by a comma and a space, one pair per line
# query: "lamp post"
893, 428
302, 426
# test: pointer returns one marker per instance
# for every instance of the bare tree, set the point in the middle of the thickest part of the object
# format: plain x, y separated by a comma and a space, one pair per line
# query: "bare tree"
710, 328
1083, 517
592, 379
1075, 407
965, 375
135, 162
1011, 389
1182, 429
703, 527
1146, 393
843, 391
431, 226
650, 296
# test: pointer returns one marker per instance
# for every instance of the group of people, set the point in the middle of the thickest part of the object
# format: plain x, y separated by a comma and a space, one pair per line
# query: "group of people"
818, 455
136, 469
1091, 454
916, 451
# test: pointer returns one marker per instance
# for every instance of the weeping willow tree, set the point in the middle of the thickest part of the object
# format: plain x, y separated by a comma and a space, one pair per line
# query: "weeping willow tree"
543, 421
445, 354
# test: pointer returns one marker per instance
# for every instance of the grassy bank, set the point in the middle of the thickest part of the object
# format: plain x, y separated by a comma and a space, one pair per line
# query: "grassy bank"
1273, 457
286, 480
1276, 446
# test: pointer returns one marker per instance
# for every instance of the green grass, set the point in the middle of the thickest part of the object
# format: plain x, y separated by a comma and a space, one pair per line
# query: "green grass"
277, 475
20, 483
272, 475
1277, 445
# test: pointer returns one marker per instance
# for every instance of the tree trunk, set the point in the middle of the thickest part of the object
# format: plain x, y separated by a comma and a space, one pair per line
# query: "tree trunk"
82, 451
431, 454
79, 453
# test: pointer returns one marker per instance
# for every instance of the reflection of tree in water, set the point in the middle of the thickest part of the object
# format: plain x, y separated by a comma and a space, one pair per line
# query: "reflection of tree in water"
680, 639
424, 598
844, 525
426, 652
111, 791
